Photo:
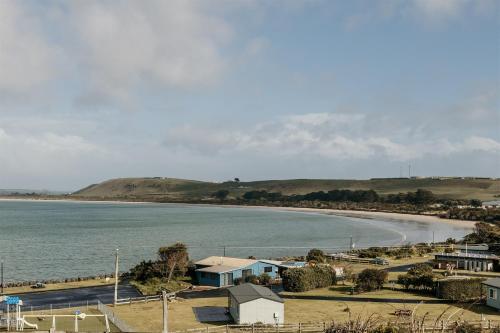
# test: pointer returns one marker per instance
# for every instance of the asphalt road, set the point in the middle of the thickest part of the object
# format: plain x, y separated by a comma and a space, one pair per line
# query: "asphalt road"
77, 297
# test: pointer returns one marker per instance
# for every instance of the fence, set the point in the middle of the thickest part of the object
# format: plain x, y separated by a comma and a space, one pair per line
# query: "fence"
122, 326
143, 299
320, 327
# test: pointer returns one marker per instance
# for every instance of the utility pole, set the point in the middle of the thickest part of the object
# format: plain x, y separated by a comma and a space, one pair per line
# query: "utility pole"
433, 238
1, 277
165, 312
224, 250
116, 278
409, 170
350, 244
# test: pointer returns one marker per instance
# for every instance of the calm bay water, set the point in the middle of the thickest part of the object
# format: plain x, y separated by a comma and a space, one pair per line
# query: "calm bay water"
44, 240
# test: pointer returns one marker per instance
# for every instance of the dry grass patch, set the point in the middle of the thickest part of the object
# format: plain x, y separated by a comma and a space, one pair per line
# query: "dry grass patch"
147, 317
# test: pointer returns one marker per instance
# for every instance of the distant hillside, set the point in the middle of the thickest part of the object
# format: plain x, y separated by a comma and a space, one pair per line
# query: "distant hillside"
171, 189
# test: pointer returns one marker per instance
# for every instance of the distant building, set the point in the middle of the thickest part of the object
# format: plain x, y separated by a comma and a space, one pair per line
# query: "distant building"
249, 304
493, 292
466, 261
473, 248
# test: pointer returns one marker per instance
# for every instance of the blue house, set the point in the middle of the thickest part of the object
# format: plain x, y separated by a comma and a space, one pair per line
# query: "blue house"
222, 271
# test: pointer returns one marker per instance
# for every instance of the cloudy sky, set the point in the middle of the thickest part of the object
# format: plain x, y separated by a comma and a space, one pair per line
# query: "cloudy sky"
211, 90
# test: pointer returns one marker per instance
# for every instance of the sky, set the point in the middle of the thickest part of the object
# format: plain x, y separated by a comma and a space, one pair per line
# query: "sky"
217, 89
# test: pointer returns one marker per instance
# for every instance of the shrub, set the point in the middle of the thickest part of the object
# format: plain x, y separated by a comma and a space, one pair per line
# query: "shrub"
371, 279
145, 270
459, 290
265, 279
419, 276
316, 255
238, 281
252, 279
303, 279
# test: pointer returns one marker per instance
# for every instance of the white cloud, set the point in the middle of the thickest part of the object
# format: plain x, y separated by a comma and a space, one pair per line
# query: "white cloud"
324, 135
44, 153
27, 60
128, 44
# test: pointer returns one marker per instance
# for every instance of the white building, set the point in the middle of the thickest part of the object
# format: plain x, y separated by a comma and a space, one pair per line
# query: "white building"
250, 304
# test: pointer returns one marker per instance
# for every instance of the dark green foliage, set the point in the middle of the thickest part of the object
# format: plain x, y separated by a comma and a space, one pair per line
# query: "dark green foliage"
371, 279
484, 233
459, 290
221, 194
264, 279
252, 279
144, 271
308, 278
173, 260
476, 203
316, 255
238, 281
418, 277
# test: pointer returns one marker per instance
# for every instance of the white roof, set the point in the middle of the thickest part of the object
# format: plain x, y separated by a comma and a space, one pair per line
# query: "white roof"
225, 261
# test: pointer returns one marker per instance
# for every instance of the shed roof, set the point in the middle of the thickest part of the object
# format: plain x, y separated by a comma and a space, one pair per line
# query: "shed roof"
248, 292
493, 282
225, 261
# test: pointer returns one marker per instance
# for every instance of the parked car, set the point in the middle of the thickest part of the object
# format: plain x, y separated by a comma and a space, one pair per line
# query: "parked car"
380, 261
38, 285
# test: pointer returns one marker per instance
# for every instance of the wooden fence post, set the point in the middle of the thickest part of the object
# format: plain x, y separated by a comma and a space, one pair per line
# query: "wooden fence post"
300, 327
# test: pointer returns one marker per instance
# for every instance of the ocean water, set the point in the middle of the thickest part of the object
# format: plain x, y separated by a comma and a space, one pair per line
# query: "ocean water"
47, 239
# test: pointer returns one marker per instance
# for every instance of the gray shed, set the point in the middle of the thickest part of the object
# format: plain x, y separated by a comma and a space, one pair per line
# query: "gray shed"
493, 292
249, 304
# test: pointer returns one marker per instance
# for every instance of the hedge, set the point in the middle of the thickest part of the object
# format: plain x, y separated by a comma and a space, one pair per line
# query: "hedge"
459, 290
303, 279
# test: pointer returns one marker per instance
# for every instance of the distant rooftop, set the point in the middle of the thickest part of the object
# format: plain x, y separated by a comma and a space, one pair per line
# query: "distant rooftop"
468, 255
225, 261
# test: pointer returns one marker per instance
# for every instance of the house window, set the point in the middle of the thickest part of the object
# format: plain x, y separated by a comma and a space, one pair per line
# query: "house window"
492, 293
268, 269
246, 272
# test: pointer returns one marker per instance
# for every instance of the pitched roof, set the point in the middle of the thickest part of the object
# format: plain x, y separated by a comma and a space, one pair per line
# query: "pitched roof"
217, 269
225, 261
493, 282
248, 292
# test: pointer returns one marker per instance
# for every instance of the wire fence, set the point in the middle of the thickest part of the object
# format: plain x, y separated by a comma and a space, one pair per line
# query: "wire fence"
120, 324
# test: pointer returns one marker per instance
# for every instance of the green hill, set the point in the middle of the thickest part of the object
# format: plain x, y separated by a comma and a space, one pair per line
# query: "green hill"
166, 189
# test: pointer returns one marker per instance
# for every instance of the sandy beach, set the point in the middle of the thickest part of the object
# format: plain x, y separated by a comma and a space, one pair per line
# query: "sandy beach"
349, 213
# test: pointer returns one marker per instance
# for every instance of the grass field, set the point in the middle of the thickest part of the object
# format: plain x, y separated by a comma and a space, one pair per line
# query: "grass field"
317, 305
181, 189
58, 286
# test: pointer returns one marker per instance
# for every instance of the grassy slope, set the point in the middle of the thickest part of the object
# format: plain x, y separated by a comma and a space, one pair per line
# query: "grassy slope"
180, 189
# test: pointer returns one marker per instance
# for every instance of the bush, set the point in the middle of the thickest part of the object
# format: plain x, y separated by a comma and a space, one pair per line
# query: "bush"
308, 278
420, 276
316, 255
265, 279
252, 279
371, 279
459, 290
144, 271
238, 281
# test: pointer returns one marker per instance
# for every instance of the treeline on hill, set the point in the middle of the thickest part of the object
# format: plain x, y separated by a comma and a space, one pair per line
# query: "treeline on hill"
416, 198
409, 202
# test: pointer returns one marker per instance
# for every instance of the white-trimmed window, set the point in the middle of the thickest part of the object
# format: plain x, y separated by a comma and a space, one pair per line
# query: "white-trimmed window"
492, 293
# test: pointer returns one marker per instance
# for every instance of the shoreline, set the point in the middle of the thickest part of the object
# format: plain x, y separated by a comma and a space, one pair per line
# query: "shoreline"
361, 214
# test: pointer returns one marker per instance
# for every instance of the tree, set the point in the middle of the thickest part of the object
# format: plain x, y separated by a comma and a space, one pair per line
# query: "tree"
475, 203
371, 279
221, 194
316, 255
173, 258
419, 276
237, 180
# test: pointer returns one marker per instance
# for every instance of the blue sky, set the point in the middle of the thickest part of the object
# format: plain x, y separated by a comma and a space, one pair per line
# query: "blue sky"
211, 90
